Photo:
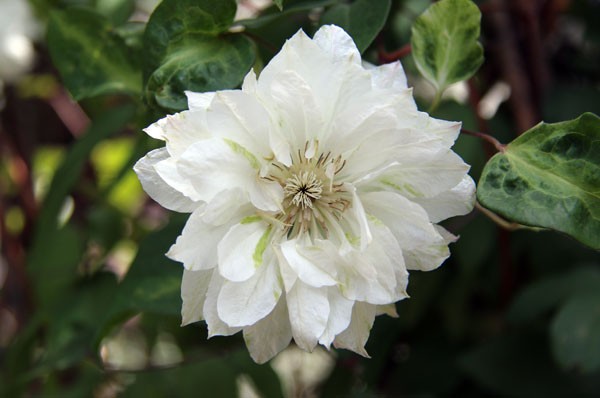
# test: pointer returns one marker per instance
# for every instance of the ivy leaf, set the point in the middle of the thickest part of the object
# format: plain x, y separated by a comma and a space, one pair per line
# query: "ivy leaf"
91, 58
444, 42
549, 177
189, 48
575, 332
200, 63
363, 19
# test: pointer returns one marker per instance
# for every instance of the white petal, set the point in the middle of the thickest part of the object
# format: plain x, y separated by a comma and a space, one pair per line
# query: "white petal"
167, 170
240, 117
389, 76
361, 217
267, 337
249, 84
156, 187
199, 101
157, 129
309, 310
356, 335
183, 129
229, 204
216, 327
194, 286
240, 252
339, 316
427, 258
299, 115
378, 274
196, 247
389, 310
245, 303
309, 262
335, 41
431, 256
408, 221
457, 201
214, 165
288, 275
420, 177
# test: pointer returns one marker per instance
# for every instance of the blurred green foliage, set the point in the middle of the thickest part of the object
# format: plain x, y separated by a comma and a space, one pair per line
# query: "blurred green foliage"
83, 272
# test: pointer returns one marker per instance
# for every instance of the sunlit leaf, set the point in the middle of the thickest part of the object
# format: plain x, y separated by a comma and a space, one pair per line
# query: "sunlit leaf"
362, 19
549, 177
189, 48
56, 251
70, 169
91, 57
444, 42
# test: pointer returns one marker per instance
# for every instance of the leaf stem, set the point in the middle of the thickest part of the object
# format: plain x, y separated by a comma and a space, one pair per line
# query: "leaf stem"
508, 225
386, 57
500, 147
436, 101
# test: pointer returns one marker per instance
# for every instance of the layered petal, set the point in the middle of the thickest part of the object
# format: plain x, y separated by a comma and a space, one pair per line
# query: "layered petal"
241, 250
457, 201
194, 287
215, 165
244, 303
267, 337
308, 308
158, 189
196, 247
356, 335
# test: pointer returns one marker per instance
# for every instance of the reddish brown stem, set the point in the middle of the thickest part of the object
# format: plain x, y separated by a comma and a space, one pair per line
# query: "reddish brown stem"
488, 138
386, 57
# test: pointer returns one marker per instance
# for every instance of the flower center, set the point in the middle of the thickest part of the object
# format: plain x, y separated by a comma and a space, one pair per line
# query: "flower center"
303, 188
313, 197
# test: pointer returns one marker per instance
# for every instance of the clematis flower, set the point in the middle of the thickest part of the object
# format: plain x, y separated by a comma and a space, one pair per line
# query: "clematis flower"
312, 191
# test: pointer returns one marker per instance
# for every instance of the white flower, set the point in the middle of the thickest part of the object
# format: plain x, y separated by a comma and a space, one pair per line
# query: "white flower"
313, 190
18, 28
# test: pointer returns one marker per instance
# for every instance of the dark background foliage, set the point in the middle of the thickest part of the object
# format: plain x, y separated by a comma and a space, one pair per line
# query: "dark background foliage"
89, 305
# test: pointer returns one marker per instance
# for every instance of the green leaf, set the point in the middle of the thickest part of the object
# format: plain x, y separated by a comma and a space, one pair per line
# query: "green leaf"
279, 4
91, 58
363, 19
543, 296
289, 14
189, 48
519, 365
200, 63
73, 322
152, 283
575, 332
117, 11
213, 377
444, 42
549, 177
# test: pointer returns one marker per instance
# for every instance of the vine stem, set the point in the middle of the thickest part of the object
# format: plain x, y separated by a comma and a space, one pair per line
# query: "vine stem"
500, 147
501, 222
386, 57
